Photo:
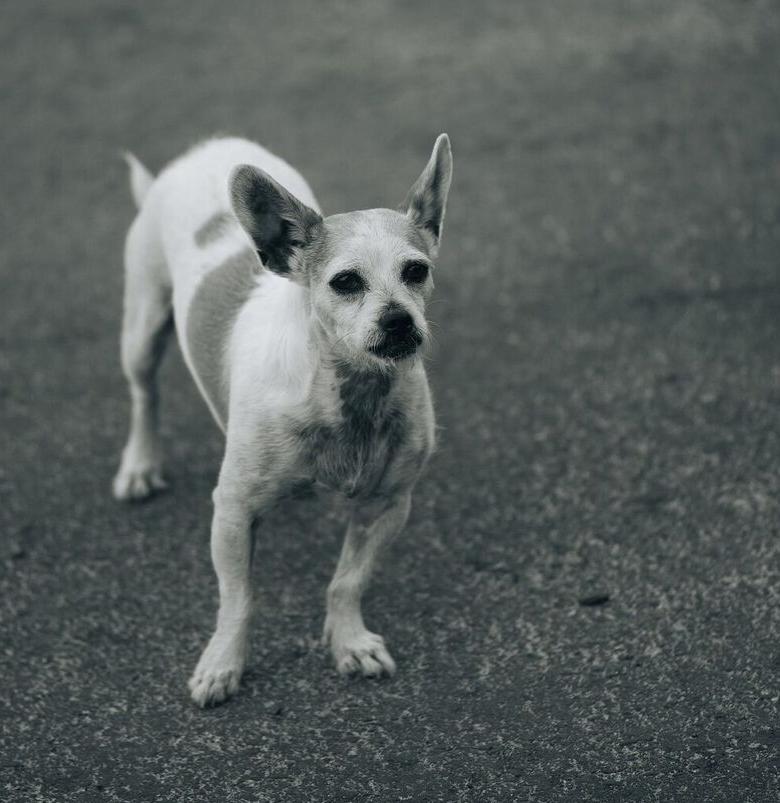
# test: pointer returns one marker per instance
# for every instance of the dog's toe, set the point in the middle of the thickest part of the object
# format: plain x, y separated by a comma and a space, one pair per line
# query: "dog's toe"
370, 667
347, 665
133, 485
364, 654
218, 673
213, 688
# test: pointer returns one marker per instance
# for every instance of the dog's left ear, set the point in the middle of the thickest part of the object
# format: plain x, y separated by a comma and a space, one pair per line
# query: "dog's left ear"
280, 225
427, 200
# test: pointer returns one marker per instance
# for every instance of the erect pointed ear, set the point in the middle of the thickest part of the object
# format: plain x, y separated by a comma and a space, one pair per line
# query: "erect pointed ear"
426, 201
278, 223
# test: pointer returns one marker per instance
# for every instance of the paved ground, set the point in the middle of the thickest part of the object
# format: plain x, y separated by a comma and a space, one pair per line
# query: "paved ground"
608, 388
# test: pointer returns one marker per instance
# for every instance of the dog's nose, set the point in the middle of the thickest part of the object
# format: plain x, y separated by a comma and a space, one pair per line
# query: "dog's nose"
396, 321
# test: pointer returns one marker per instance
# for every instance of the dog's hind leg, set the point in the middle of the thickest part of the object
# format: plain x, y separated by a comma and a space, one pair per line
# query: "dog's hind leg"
146, 329
355, 649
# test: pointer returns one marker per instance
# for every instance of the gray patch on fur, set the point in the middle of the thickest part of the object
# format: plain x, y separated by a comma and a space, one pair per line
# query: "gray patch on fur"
216, 303
354, 455
217, 225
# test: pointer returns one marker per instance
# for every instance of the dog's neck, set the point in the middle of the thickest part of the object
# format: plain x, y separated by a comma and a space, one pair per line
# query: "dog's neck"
365, 393
356, 424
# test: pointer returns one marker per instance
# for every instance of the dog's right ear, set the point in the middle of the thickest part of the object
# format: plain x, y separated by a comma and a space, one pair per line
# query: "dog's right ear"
278, 223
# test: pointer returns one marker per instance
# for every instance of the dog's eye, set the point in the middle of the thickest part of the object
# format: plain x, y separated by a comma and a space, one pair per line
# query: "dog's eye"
415, 273
347, 283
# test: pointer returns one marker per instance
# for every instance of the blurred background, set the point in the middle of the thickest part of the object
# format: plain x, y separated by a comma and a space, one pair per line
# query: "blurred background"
607, 383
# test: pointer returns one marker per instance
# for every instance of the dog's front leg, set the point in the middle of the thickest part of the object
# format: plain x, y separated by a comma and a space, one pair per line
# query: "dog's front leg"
219, 670
355, 649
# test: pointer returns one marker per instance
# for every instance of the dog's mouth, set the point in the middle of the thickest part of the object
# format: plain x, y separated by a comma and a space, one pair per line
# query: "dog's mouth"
393, 348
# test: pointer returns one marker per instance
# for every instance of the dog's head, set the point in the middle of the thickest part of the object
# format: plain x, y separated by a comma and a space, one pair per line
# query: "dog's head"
368, 272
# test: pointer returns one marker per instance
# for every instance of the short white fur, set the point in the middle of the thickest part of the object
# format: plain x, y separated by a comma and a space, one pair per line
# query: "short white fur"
313, 386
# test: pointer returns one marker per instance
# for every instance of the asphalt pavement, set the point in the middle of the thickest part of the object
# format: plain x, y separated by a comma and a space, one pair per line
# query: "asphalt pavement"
585, 605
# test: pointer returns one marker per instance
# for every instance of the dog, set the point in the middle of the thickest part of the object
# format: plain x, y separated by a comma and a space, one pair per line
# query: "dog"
305, 336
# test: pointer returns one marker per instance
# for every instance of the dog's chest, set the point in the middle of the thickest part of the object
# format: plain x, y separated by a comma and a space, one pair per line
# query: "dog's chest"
352, 453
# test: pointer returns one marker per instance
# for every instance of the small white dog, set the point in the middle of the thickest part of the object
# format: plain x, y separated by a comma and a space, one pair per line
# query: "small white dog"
304, 334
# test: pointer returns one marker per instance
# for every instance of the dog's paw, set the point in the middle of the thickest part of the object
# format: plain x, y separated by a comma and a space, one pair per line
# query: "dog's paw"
216, 677
134, 484
362, 653
212, 688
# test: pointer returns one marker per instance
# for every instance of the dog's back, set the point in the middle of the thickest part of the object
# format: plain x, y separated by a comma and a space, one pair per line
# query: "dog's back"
187, 210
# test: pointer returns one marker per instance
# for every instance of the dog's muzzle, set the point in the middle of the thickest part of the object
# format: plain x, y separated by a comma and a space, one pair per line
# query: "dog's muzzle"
399, 337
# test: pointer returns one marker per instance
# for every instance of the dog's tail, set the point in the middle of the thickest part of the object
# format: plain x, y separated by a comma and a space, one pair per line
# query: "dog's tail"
140, 178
